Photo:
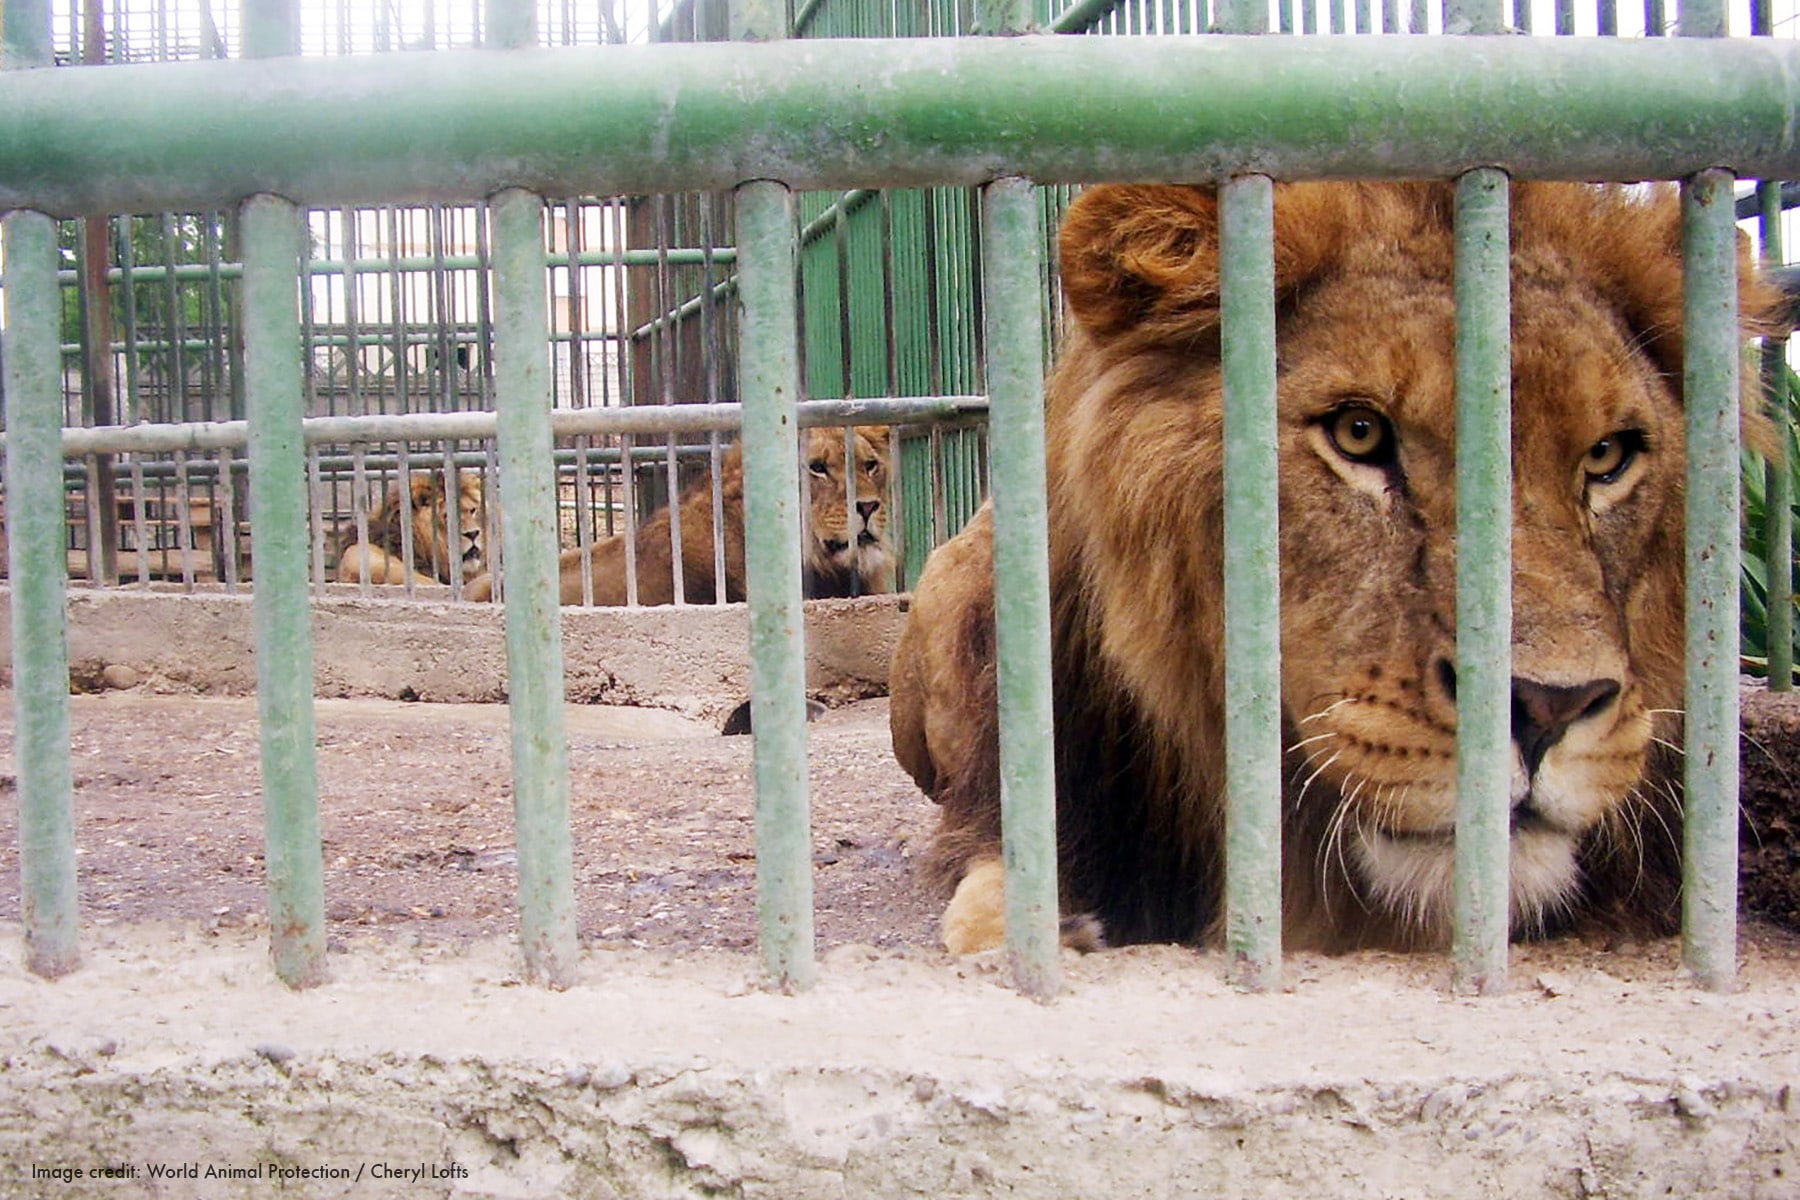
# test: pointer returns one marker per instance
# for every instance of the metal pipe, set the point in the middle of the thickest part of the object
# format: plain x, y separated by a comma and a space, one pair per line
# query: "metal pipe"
654, 118
1710, 392
38, 567
273, 361
1778, 480
769, 368
1012, 243
477, 425
1252, 584
1484, 751
189, 272
534, 658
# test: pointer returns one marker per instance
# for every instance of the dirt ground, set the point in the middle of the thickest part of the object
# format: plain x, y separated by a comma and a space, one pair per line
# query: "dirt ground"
416, 814
416, 809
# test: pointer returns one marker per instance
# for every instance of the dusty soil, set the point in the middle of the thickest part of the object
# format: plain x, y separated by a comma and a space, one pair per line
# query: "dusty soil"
416, 813
669, 1070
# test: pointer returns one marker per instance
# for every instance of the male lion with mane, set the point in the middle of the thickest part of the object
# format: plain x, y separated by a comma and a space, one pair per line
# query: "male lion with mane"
1366, 335
382, 559
845, 548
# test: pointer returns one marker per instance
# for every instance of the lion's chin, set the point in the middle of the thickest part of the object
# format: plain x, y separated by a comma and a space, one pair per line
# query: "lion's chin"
1413, 878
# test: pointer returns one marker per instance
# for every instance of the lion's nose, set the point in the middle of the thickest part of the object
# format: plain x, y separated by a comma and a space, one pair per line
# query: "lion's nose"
1542, 713
867, 508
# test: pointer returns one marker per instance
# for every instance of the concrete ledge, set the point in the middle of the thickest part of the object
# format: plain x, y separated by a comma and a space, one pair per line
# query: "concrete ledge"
902, 1074
694, 660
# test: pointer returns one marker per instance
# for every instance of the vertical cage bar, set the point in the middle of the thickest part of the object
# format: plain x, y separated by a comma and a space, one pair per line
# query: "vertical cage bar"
1474, 16
769, 370
1701, 18
1252, 584
1483, 581
38, 570
1778, 499
1710, 386
1012, 307
273, 363
534, 655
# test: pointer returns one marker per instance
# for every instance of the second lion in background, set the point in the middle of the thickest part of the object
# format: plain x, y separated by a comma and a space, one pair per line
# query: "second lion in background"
845, 550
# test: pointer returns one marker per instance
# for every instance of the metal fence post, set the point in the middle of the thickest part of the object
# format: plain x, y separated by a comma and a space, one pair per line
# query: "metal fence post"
769, 370
37, 564
1252, 569
534, 658
283, 615
1483, 581
1710, 389
1012, 307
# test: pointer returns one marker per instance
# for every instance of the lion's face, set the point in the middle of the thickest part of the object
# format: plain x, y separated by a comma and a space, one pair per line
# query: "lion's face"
1366, 413
431, 521
845, 538
1368, 612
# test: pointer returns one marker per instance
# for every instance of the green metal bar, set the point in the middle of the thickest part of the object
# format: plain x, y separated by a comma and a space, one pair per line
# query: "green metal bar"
534, 657
1252, 585
1244, 16
1702, 18
477, 425
1710, 389
1484, 751
1012, 242
1778, 484
656, 118
38, 567
419, 263
1002, 16
37, 564
1474, 16
271, 28
769, 370
511, 24
25, 38
274, 366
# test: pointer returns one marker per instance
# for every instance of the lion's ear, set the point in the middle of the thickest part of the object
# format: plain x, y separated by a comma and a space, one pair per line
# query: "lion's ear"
427, 489
1148, 257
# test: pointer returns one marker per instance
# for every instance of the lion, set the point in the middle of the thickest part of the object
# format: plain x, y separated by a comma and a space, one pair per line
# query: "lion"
845, 549
382, 558
1365, 408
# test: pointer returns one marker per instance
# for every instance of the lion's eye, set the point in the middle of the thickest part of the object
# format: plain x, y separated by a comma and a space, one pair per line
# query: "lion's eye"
1361, 434
1608, 458
817, 467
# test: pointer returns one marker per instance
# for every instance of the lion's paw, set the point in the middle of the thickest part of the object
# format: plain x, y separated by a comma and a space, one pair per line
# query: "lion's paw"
975, 918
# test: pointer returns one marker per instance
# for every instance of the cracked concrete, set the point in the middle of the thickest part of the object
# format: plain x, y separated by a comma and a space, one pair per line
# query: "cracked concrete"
432, 1071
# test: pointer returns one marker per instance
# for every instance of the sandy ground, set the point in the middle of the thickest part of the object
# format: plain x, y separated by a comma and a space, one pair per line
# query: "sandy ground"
669, 1070
416, 813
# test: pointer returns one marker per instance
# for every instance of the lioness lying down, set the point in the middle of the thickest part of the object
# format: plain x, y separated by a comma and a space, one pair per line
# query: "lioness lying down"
1366, 431
382, 558
845, 550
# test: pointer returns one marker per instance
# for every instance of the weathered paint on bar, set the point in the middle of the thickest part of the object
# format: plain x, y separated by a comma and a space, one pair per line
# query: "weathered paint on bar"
1252, 584
38, 567
1710, 385
769, 366
274, 368
846, 113
476, 425
1778, 481
534, 659
1012, 307
1484, 749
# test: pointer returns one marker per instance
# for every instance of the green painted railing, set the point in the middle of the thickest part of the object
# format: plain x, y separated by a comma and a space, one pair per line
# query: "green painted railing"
631, 119
1483, 580
765, 118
